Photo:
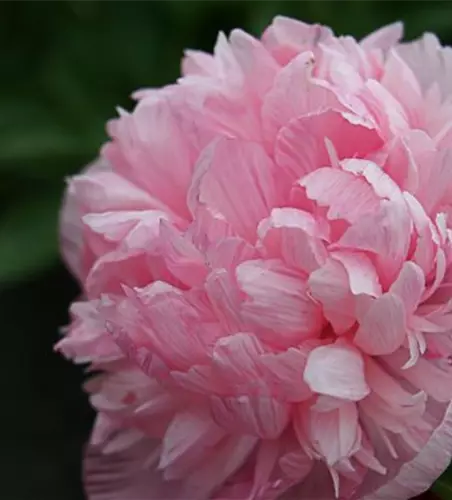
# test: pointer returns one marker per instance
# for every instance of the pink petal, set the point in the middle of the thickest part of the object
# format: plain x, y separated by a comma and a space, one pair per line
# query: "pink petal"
362, 275
346, 195
208, 228
257, 416
338, 371
409, 286
226, 459
184, 341
300, 146
384, 38
200, 63
296, 237
386, 233
228, 253
286, 37
383, 185
432, 377
87, 337
430, 62
236, 359
335, 435
284, 373
417, 475
184, 261
296, 465
234, 178
266, 459
106, 191
435, 180
128, 474
225, 298
190, 436
388, 388
255, 61
150, 149
115, 226
403, 155
294, 94
382, 329
114, 270
276, 299
409, 95
330, 286
385, 109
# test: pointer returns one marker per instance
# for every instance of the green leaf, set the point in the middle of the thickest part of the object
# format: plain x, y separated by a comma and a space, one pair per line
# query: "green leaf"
28, 236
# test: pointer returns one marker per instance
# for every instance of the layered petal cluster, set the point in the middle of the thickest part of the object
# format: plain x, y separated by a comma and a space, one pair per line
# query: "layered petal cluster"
265, 255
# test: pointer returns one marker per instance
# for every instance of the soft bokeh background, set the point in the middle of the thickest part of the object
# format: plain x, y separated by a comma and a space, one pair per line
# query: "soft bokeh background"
64, 67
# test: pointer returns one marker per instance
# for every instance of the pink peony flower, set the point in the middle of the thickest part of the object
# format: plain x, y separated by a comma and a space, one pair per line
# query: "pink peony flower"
265, 256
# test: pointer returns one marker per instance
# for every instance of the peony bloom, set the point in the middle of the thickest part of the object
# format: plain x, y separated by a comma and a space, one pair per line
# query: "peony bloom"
265, 255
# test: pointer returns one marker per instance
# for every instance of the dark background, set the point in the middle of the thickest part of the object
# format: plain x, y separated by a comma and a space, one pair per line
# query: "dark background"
64, 66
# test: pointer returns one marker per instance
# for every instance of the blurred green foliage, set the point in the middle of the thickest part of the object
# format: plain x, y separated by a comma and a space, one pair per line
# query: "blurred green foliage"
66, 65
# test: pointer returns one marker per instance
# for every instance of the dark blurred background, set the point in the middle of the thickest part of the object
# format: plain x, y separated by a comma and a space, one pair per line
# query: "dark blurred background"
64, 67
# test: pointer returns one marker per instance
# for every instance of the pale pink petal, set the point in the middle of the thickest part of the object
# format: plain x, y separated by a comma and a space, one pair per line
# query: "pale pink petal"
284, 373
435, 178
296, 465
266, 459
228, 253
362, 275
114, 270
409, 286
208, 228
416, 476
258, 66
347, 196
335, 435
73, 247
296, 237
257, 416
384, 38
409, 95
294, 94
196, 62
192, 433
236, 359
286, 37
430, 62
186, 338
277, 299
336, 370
386, 110
226, 459
386, 233
129, 474
382, 329
381, 182
300, 147
225, 298
330, 286
182, 258
403, 158
430, 376
106, 191
86, 337
234, 178
150, 149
